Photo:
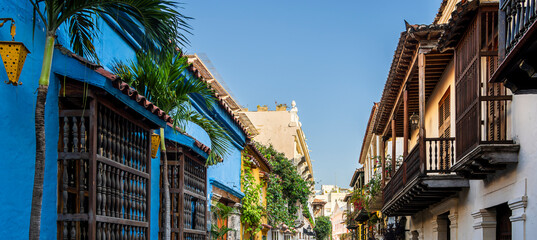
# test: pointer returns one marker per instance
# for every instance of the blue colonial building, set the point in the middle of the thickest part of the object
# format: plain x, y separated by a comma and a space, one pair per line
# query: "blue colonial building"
101, 180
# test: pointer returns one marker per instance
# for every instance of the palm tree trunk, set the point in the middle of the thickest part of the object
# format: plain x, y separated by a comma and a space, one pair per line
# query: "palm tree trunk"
167, 222
37, 195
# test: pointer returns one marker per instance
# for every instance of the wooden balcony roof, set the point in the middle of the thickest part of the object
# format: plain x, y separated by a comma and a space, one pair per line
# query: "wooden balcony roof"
404, 72
422, 192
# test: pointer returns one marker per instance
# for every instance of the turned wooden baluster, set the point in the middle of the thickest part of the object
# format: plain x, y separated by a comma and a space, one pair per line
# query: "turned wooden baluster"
117, 193
108, 191
99, 231
135, 198
116, 138
142, 197
82, 135
130, 145
122, 208
99, 189
64, 186
126, 196
112, 231
146, 148
65, 231
75, 135
81, 186
103, 188
122, 141
137, 149
112, 192
73, 231
131, 196
65, 134
108, 133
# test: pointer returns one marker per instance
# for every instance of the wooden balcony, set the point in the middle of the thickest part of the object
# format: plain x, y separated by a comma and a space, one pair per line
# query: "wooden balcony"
517, 46
486, 147
424, 180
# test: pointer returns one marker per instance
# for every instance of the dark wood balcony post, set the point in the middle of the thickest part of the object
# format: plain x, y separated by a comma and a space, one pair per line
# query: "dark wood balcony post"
394, 138
405, 124
501, 34
92, 172
383, 161
421, 66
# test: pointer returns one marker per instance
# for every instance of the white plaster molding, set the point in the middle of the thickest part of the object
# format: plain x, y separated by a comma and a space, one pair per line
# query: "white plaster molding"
484, 219
520, 202
453, 220
444, 206
215, 199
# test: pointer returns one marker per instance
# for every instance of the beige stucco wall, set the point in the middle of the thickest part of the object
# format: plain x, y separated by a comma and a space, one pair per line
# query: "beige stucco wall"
431, 107
273, 128
503, 186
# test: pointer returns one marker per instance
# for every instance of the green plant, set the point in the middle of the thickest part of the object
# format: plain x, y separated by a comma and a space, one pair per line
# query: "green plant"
252, 207
323, 228
285, 186
159, 77
222, 213
362, 197
156, 19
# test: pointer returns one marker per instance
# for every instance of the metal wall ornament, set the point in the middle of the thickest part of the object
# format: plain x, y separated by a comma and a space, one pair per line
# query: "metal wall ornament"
13, 55
414, 121
155, 143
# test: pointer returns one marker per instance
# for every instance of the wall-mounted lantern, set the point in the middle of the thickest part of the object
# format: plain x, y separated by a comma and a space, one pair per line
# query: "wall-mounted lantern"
13, 55
155, 142
414, 121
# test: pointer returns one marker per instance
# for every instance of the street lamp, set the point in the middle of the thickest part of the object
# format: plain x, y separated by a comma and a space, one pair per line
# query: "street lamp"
13, 54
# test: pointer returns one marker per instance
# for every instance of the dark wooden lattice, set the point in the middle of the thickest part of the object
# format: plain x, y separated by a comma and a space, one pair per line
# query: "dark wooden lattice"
187, 176
481, 107
103, 173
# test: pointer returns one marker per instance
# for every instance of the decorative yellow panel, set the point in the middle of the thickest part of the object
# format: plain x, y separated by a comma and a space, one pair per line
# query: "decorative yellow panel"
13, 55
155, 142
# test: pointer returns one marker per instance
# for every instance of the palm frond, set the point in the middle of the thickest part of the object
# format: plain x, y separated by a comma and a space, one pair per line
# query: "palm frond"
161, 79
156, 23
83, 29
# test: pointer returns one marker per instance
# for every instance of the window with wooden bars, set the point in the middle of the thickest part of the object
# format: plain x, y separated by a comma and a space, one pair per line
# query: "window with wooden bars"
187, 176
103, 169
444, 129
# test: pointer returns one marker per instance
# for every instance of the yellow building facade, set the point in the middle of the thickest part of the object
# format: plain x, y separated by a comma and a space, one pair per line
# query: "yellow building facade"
260, 168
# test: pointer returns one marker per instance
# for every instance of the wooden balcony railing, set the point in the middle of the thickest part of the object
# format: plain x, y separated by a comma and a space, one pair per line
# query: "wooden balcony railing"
519, 16
439, 158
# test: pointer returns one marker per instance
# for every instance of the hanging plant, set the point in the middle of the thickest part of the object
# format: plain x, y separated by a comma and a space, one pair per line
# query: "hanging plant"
252, 206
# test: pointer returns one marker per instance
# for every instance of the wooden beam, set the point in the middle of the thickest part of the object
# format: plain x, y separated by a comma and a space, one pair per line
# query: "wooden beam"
421, 70
408, 76
394, 137
383, 160
405, 124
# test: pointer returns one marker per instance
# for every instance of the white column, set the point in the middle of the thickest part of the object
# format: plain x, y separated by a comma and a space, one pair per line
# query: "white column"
453, 225
234, 222
518, 217
440, 227
484, 224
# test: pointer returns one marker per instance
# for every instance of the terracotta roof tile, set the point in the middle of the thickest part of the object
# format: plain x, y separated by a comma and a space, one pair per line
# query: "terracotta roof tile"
195, 72
461, 16
120, 85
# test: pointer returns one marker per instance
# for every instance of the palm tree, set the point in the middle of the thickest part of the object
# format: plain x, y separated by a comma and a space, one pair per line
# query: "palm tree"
156, 19
160, 78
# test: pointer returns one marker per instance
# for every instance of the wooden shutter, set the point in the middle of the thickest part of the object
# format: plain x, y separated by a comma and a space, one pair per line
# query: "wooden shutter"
444, 129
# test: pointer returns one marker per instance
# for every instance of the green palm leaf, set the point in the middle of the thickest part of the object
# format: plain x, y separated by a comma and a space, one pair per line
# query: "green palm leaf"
160, 78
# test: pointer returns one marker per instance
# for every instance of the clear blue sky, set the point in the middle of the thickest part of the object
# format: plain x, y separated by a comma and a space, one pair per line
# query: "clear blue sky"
331, 57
